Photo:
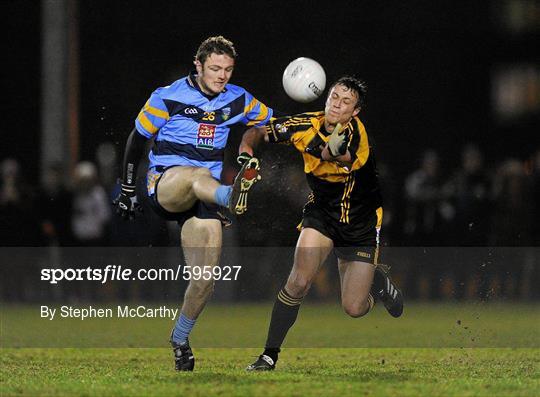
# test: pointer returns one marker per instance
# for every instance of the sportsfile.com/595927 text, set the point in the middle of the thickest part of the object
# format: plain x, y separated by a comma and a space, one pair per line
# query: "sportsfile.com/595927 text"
121, 273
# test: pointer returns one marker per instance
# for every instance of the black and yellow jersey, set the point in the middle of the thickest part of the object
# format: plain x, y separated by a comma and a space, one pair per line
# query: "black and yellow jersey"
344, 190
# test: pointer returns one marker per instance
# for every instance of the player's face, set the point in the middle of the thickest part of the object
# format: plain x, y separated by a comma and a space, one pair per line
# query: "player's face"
340, 105
215, 73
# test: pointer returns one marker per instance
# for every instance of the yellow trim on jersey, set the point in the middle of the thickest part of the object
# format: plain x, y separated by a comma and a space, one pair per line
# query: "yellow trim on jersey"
273, 131
346, 199
155, 111
302, 129
378, 226
250, 106
146, 123
379, 217
362, 153
330, 171
263, 113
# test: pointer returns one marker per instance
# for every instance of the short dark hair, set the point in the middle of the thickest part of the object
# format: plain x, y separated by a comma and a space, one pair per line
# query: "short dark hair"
355, 84
215, 45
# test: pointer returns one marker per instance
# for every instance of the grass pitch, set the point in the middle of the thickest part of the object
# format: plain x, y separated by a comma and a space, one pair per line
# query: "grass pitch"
431, 353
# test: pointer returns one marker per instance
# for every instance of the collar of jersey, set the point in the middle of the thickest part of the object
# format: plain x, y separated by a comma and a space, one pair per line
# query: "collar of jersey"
192, 81
318, 123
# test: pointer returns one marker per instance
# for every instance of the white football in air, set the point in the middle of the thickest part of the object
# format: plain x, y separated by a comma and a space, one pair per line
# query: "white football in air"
304, 80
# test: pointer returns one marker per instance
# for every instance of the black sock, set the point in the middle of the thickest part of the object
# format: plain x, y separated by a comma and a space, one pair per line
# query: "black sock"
378, 283
283, 317
272, 353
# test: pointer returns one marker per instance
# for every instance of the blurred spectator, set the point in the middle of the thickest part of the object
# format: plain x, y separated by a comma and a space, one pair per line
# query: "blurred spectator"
107, 165
534, 279
423, 220
467, 195
511, 221
91, 207
511, 226
390, 192
19, 226
57, 202
536, 197
19, 216
423, 209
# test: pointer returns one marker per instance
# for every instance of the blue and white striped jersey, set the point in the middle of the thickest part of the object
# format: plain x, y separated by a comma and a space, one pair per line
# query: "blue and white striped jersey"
192, 128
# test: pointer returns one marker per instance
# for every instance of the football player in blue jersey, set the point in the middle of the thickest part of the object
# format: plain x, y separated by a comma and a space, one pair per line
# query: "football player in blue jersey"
190, 121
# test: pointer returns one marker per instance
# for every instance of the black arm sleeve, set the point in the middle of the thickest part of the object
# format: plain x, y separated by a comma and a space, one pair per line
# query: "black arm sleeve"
134, 148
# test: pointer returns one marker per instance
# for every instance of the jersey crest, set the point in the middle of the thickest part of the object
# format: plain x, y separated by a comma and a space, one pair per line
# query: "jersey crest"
205, 136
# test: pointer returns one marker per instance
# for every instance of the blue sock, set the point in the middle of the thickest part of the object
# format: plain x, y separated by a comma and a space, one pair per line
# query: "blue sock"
182, 329
222, 195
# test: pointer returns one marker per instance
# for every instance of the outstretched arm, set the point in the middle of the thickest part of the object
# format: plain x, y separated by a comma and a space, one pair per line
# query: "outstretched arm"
126, 201
250, 141
132, 154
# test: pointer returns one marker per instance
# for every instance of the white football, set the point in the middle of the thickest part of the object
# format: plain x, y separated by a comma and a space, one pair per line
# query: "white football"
304, 80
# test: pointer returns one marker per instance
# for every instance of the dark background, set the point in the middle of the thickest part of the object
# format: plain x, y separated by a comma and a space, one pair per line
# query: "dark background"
427, 63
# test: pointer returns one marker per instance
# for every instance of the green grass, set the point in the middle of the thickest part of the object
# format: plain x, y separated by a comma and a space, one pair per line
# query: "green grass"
302, 372
429, 352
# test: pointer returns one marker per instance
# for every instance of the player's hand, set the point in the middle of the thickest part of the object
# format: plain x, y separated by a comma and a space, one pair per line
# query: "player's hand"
243, 158
337, 145
126, 203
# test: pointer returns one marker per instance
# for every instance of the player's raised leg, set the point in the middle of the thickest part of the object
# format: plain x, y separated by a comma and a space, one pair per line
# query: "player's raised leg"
356, 279
201, 242
311, 251
181, 186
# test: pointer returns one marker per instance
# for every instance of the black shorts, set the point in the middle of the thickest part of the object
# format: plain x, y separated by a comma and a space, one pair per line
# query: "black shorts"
199, 210
354, 241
